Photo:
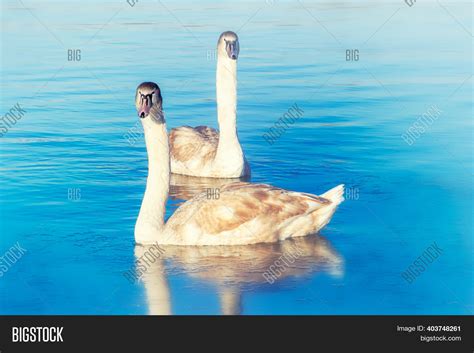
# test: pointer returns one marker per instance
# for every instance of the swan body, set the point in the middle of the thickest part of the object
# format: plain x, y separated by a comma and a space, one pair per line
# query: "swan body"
244, 213
248, 213
203, 151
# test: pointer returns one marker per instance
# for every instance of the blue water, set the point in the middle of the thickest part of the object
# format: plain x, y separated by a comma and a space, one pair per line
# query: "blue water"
71, 183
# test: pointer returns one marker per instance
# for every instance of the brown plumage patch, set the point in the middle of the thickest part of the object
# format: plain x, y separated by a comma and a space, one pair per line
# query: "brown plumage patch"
316, 198
206, 131
240, 203
188, 143
260, 195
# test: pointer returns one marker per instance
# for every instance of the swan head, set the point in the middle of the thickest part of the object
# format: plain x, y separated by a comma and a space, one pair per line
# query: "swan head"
148, 100
228, 45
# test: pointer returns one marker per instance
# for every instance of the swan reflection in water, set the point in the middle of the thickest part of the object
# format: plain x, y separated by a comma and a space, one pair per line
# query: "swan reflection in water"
183, 187
233, 269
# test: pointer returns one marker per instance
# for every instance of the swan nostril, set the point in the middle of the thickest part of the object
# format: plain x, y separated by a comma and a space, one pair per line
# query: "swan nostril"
142, 115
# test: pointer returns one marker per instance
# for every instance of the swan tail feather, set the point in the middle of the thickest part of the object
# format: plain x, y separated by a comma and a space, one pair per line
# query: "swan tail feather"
324, 214
335, 195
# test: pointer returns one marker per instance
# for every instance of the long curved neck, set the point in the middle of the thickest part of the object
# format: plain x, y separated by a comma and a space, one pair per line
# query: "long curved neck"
150, 223
226, 94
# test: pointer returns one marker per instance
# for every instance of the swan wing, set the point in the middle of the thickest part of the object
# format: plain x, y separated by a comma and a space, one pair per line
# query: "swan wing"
242, 213
193, 144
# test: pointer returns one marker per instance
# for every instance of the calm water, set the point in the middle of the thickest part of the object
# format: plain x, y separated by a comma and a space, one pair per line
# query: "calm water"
72, 184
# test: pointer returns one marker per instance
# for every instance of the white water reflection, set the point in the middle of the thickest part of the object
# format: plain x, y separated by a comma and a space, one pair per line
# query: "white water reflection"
234, 269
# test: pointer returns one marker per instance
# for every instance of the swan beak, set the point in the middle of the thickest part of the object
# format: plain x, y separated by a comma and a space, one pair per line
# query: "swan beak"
232, 51
145, 107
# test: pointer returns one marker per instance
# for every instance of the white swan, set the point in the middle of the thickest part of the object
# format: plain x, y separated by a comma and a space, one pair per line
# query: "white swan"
244, 213
202, 151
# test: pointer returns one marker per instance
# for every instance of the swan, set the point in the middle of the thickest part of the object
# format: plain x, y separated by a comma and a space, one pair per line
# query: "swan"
244, 213
202, 151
